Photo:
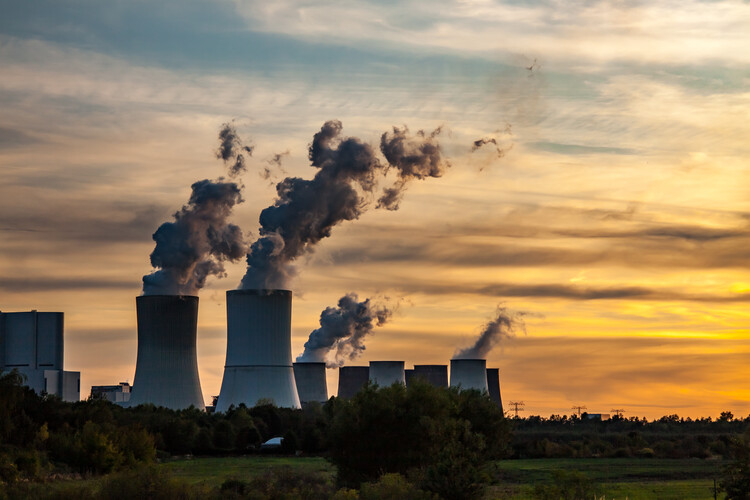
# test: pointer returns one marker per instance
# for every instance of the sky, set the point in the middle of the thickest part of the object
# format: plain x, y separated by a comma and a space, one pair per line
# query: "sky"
616, 219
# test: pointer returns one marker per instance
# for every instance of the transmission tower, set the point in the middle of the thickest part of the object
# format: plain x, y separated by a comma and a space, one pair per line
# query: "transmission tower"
579, 408
517, 406
617, 411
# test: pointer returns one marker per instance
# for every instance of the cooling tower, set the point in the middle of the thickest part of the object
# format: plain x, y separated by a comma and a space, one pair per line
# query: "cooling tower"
259, 350
166, 371
469, 374
311, 382
493, 386
408, 374
387, 373
352, 379
436, 375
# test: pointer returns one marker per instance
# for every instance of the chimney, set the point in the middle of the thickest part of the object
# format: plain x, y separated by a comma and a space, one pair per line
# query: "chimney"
259, 356
166, 370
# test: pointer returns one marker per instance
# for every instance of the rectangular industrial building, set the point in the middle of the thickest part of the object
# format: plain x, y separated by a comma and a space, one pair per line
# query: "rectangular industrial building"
32, 343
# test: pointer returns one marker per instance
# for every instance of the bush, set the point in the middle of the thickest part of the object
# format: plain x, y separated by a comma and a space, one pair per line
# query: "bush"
148, 482
567, 485
391, 486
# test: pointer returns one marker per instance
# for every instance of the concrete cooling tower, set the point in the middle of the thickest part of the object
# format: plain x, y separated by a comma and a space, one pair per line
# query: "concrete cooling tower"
311, 382
436, 375
408, 374
352, 379
493, 386
166, 371
259, 350
387, 373
469, 374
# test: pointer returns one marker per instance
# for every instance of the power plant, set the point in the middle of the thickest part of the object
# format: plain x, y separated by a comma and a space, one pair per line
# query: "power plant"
32, 343
311, 382
386, 373
469, 374
259, 350
166, 370
352, 379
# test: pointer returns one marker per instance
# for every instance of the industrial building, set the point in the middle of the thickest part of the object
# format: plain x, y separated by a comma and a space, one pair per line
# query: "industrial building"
258, 365
119, 393
32, 343
166, 370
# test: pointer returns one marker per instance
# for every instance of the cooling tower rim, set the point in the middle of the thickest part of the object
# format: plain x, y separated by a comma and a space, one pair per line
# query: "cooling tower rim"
468, 359
430, 366
387, 361
259, 291
309, 363
163, 296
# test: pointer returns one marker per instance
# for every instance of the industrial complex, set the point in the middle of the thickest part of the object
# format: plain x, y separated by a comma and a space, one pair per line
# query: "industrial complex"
258, 367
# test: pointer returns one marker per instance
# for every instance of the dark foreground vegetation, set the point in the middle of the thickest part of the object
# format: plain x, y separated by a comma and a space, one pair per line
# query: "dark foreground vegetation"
420, 442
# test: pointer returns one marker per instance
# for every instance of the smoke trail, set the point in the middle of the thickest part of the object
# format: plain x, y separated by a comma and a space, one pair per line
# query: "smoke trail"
197, 243
416, 157
231, 150
499, 150
343, 330
305, 211
504, 326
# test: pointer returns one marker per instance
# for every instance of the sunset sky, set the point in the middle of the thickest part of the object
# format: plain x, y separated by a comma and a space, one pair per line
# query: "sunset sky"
618, 219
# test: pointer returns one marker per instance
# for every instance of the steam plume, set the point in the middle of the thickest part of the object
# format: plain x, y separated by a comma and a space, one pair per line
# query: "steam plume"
414, 157
231, 150
343, 330
503, 326
305, 211
484, 141
198, 241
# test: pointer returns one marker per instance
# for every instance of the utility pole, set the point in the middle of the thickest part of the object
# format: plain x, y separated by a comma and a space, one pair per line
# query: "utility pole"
617, 411
517, 406
579, 408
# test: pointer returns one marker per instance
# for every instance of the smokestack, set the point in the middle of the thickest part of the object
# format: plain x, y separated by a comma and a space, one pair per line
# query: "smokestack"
387, 373
259, 358
469, 374
166, 371
311, 382
436, 375
352, 379
493, 385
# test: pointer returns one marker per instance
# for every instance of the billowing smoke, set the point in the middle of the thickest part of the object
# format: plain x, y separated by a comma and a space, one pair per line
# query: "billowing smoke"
414, 157
305, 211
198, 241
343, 330
231, 150
486, 141
505, 325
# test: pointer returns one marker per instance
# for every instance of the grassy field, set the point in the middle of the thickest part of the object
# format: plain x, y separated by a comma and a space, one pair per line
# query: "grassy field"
617, 478
214, 471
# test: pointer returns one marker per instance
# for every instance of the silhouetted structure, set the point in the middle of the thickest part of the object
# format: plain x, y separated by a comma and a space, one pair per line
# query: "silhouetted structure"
352, 379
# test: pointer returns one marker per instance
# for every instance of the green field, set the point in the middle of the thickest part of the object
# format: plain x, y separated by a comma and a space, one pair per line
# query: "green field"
615, 478
632, 479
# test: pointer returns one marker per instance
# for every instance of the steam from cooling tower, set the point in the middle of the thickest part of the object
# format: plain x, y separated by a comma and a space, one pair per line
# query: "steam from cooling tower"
200, 239
505, 325
305, 211
232, 150
343, 330
414, 157
486, 141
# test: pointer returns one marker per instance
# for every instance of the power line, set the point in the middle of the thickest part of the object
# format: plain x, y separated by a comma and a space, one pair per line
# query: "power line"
579, 408
517, 406
618, 411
